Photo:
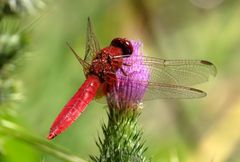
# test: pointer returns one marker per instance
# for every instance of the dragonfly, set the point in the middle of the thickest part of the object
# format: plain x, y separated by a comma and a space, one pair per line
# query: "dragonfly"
168, 78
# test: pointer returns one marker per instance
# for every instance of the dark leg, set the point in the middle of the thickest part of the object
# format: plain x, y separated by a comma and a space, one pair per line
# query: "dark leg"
124, 73
125, 64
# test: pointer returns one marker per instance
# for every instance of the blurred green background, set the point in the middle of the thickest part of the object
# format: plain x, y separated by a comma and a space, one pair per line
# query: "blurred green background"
199, 130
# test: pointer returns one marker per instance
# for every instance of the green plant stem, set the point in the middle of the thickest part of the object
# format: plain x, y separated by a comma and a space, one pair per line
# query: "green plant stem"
122, 138
12, 129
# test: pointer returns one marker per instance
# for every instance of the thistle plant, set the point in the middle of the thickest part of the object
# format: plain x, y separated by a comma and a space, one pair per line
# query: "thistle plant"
14, 40
13, 43
122, 135
19, 7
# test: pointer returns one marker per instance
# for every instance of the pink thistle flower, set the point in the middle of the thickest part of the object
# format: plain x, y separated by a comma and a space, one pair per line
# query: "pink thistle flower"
129, 89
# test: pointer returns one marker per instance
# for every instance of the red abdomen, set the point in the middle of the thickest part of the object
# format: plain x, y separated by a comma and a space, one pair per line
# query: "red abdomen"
75, 106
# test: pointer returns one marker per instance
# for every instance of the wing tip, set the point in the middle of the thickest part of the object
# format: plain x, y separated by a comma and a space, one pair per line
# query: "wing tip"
213, 67
200, 93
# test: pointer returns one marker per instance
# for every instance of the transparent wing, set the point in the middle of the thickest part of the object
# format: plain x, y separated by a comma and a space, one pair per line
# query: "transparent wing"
92, 45
132, 87
176, 72
84, 64
156, 91
168, 78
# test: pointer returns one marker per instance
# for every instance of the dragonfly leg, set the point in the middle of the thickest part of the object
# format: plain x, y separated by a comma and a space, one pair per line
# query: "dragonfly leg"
124, 73
110, 81
125, 64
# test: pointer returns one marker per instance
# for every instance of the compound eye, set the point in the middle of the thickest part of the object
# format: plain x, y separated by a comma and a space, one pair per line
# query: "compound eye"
124, 44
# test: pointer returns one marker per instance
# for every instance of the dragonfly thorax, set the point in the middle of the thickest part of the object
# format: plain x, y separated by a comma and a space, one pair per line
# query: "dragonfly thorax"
106, 63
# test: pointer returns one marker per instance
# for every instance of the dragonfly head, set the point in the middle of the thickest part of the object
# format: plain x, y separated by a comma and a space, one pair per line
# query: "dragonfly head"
124, 44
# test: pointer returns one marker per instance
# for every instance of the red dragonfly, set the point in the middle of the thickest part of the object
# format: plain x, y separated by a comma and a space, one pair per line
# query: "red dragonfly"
168, 78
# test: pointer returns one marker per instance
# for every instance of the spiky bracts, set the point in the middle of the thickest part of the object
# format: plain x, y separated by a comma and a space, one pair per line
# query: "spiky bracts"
122, 138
